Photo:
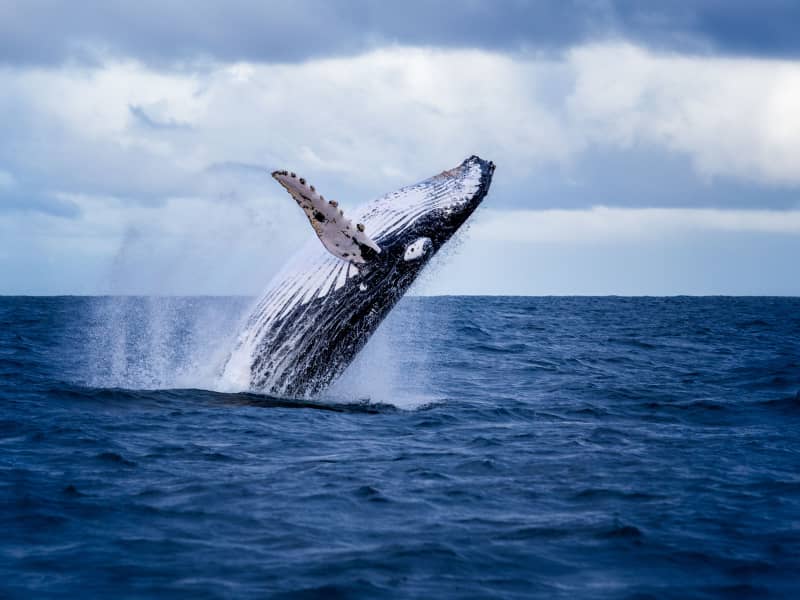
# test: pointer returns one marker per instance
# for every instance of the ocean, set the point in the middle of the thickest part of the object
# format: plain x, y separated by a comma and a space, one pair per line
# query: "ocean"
480, 447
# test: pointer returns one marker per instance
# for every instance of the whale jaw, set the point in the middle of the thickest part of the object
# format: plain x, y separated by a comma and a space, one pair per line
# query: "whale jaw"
320, 310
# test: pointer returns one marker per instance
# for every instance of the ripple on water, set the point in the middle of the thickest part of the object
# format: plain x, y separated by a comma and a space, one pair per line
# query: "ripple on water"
508, 447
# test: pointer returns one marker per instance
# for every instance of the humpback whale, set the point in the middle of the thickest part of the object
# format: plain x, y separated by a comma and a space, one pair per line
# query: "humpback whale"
321, 308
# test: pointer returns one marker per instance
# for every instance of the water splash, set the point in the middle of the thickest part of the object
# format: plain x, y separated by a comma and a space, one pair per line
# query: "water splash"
160, 342
152, 343
387, 370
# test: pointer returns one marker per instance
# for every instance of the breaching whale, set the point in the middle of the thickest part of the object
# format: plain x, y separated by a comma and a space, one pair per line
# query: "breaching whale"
321, 308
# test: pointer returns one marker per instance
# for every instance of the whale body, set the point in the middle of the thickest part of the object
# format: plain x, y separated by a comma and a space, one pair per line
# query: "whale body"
323, 306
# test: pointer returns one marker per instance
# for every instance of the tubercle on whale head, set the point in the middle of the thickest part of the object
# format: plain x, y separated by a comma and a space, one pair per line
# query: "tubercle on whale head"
472, 178
440, 206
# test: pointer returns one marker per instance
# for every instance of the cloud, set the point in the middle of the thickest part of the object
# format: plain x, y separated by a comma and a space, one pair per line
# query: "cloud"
26, 201
174, 33
153, 122
734, 117
621, 251
158, 33
613, 124
716, 262
186, 245
202, 246
756, 28
71, 131
360, 125
15, 197
640, 174
169, 169
615, 225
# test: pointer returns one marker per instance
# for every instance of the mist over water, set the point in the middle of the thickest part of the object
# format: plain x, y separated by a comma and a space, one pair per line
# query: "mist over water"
163, 342
160, 342
393, 368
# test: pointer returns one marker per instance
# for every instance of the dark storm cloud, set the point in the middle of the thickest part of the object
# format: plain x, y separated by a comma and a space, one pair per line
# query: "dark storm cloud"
764, 28
157, 32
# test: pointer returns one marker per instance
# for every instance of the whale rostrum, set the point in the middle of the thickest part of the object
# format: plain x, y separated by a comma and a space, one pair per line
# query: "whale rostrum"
321, 308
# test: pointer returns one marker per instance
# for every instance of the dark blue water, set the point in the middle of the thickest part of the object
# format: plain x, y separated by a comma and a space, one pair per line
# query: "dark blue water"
510, 447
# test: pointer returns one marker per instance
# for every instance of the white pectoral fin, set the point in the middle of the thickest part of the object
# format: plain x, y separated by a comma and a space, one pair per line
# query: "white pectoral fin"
336, 232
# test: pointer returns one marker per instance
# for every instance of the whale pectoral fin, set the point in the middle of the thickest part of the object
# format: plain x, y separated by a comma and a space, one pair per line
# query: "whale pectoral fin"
336, 232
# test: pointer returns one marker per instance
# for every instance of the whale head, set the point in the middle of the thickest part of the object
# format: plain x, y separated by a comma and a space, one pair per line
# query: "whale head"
413, 223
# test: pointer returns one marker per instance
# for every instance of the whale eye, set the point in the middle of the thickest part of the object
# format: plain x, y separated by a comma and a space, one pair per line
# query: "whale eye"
417, 248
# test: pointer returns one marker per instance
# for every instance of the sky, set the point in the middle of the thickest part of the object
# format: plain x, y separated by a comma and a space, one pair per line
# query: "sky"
641, 147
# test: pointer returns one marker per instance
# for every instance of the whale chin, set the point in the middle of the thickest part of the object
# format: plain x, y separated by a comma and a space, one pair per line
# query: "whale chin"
319, 311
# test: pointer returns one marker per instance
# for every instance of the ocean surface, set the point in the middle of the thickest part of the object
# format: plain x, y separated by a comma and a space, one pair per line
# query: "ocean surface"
479, 447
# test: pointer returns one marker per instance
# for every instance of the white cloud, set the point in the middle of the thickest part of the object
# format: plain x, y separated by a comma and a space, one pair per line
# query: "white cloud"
615, 225
377, 119
368, 122
130, 146
734, 117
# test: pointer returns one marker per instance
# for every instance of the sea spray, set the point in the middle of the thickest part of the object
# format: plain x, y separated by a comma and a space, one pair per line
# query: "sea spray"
159, 342
153, 343
392, 367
